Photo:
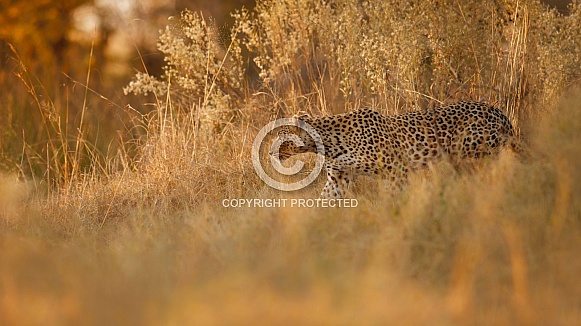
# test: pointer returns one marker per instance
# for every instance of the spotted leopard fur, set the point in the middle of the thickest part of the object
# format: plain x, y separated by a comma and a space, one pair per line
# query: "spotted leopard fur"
365, 142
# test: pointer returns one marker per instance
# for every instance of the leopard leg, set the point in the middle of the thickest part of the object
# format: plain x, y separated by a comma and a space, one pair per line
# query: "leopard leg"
332, 190
337, 183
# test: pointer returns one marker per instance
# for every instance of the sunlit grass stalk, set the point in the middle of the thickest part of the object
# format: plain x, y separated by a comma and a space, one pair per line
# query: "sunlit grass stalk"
76, 162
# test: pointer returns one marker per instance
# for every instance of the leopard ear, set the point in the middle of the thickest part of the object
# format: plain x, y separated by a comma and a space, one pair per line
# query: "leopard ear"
301, 115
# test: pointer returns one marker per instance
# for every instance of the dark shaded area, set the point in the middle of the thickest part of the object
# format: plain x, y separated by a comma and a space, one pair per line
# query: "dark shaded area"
561, 5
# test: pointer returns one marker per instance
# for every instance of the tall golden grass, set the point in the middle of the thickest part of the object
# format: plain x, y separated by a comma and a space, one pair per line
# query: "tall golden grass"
145, 239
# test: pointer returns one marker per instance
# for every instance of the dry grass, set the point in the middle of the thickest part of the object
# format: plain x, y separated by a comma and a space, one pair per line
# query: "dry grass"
146, 240
495, 246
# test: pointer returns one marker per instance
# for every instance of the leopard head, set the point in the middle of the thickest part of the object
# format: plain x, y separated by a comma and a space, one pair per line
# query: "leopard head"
294, 138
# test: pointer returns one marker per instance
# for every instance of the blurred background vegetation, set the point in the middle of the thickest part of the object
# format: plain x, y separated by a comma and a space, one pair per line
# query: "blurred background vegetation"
63, 61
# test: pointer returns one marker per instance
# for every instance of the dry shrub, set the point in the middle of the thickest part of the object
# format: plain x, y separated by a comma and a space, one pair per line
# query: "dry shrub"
201, 74
403, 55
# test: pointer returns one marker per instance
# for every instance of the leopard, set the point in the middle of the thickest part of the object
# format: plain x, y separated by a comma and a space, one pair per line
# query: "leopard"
367, 142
